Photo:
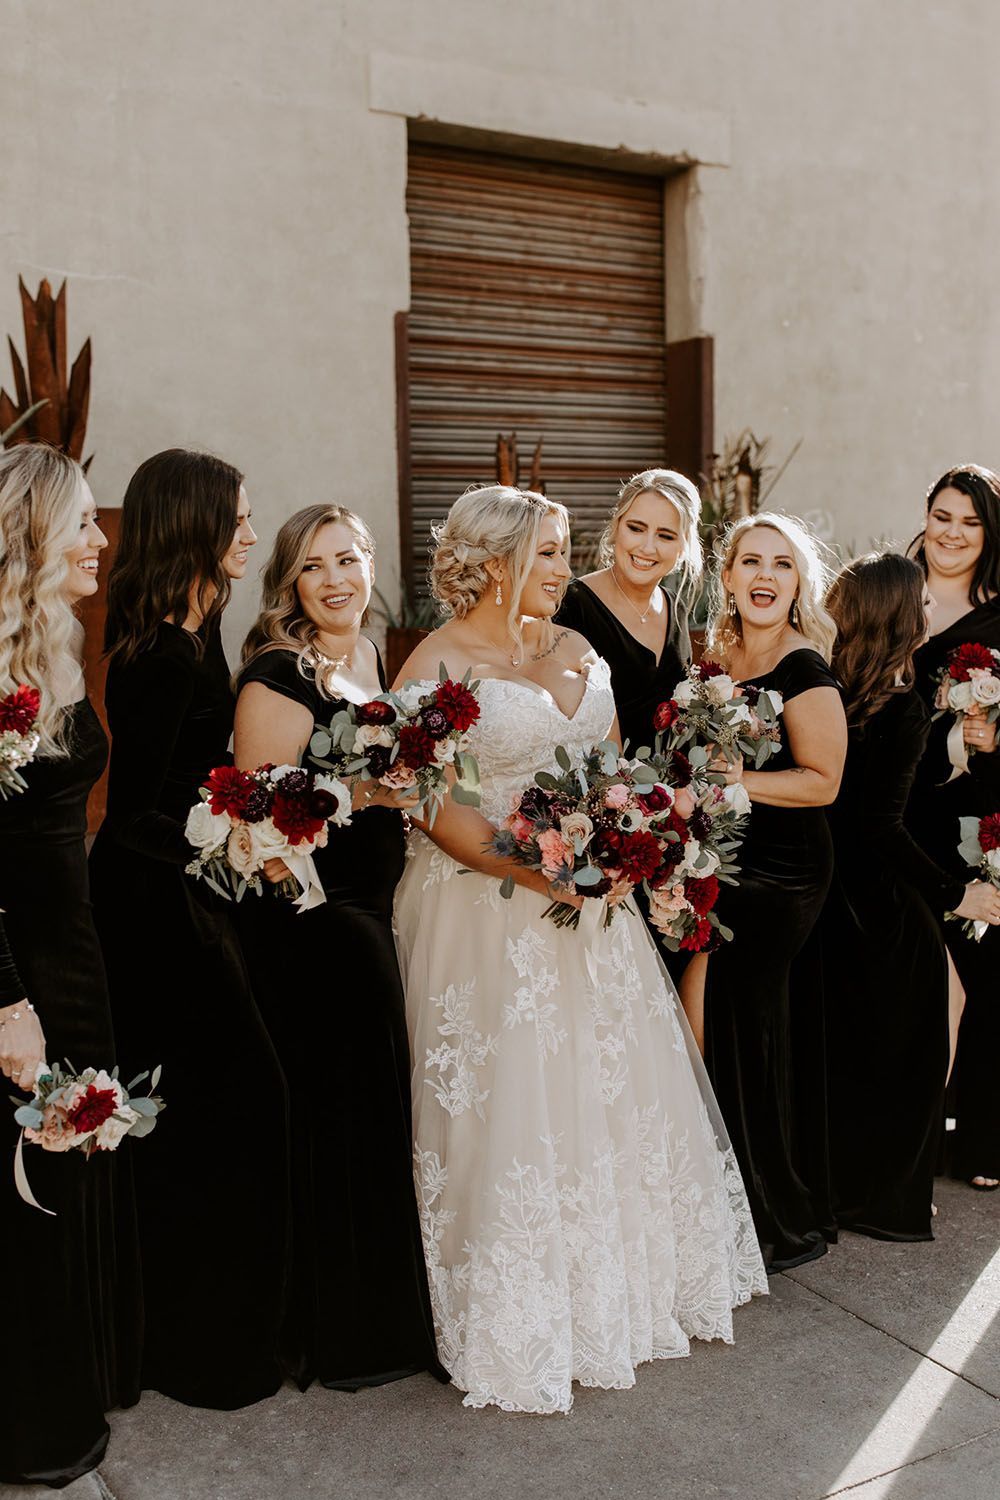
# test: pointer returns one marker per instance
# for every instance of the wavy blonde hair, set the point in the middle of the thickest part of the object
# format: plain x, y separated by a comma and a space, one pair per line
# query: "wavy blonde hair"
41, 504
813, 620
670, 485
494, 523
281, 623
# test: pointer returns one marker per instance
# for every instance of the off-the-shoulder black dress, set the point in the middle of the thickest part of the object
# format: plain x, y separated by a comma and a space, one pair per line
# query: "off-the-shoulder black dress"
72, 1309
329, 986
639, 681
758, 1047
936, 804
887, 983
211, 1180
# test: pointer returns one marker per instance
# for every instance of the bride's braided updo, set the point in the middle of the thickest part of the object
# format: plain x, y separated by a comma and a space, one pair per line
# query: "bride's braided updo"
493, 523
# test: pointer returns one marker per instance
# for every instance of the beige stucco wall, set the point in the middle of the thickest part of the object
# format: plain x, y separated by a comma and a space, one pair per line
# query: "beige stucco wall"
229, 208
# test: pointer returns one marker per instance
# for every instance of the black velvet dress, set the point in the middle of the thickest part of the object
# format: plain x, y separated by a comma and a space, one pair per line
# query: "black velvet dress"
886, 974
72, 1307
764, 1031
936, 804
640, 683
211, 1181
329, 986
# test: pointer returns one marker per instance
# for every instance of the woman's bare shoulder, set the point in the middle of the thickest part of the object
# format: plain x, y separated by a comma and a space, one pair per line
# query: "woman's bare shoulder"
444, 645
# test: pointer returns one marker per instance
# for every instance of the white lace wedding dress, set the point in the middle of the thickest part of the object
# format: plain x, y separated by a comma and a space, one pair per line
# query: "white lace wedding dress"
582, 1209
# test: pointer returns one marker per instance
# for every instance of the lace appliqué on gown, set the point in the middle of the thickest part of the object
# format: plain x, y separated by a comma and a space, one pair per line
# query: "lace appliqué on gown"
582, 1211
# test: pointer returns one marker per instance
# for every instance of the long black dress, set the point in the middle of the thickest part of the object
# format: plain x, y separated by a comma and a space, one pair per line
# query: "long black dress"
639, 681
936, 804
886, 972
758, 1047
329, 986
211, 1181
72, 1306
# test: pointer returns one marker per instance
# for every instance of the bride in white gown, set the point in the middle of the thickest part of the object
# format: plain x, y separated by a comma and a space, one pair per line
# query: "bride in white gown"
582, 1209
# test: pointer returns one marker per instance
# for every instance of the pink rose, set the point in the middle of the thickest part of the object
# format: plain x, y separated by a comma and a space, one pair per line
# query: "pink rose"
617, 796
554, 851
684, 802
398, 775
56, 1134
240, 851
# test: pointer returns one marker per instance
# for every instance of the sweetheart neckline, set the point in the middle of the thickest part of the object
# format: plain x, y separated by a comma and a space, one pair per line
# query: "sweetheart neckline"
537, 691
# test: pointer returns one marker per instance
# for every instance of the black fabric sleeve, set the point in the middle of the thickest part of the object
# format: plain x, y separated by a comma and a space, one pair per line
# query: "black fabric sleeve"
279, 671
802, 670
11, 988
894, 751
150, 699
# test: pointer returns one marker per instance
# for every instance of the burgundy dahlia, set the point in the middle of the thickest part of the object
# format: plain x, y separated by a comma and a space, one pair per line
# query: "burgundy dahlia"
435, 721
375, 712
19, 710
457, 704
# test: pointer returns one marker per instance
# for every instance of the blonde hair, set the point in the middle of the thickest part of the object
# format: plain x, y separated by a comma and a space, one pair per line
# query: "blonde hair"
281, 623
670, 485
813, 620
495, 523
41, 503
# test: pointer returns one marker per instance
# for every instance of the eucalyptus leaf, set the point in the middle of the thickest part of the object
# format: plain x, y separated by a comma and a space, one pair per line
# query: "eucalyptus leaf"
320, 743
547, 782
143, 1125
28, 1117
137, 1080
143, 1106
507, 887
562, 757
157, 1071
465, 796
589, 875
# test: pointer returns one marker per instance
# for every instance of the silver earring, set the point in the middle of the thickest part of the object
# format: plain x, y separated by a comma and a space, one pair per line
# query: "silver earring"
793, 618
499, 594
731, 606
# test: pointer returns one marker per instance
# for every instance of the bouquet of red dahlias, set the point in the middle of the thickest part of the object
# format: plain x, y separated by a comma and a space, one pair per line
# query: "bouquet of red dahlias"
700, 832
407, 739
88, 1112
245, 818
980, 848
968, 685
18, 738
587, 829
708, 710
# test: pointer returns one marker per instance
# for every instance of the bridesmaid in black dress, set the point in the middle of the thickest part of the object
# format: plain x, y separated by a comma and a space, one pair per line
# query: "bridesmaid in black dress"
886, 964
761, 1049
626, 610
212, 1186
959, 552
329, 986
71, 1282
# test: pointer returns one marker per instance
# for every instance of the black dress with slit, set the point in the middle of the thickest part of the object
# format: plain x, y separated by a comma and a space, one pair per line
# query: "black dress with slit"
211, 1181
887, 978
936, 805
329, 987
72, 1306
764, 1031
639, 681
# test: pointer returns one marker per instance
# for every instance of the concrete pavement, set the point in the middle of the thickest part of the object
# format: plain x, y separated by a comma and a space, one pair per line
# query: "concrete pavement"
873, 1373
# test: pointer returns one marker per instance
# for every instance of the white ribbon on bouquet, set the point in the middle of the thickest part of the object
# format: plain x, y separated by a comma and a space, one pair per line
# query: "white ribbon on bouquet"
302, 869
958, 752
21, 1179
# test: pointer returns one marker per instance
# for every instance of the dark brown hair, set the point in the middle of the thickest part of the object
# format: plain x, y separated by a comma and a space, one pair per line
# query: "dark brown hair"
982, 487
877, 603
178, 522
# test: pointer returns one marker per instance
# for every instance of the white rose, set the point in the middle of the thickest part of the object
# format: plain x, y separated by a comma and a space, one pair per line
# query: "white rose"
698, 862
740, 714
737, 798
718, 689
683, 693
342, 816
960, 696
266, 841
986, 689
240, 851
371, 734
411, 693
206, 830
110, 1135
577, 829
444, 752
992, 858
278, 772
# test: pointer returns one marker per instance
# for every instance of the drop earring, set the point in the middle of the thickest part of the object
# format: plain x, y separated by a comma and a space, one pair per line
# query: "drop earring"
499, 594
793, 617
731, 605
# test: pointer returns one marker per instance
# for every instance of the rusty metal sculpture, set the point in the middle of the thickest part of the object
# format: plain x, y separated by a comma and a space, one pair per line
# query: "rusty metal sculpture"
50, 404
508, 464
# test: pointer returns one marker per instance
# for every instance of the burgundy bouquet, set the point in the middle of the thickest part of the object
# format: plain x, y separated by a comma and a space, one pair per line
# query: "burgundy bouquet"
18, 737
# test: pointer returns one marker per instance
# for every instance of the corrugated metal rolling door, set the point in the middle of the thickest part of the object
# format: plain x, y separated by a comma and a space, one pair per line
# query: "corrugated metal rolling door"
537, 306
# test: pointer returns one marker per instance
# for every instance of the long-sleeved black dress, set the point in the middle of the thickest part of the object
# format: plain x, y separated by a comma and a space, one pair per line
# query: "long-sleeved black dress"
639, 681
760, 1047
886, 975
211, 1181
329, 986
936, 804
72, 1307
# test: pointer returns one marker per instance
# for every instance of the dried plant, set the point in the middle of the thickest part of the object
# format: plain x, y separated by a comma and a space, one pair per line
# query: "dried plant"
738, 483
50, 402
508, 464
